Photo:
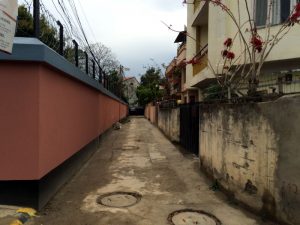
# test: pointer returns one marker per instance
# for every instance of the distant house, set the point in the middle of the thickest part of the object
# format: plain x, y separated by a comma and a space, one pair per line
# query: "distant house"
176, 72
130, 86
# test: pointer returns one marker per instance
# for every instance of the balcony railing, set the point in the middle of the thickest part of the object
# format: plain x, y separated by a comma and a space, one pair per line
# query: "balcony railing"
181, 54
171, 67
181, 48
202, 60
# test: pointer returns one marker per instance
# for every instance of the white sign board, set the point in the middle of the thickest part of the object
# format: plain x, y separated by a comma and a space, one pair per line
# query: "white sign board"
8, 20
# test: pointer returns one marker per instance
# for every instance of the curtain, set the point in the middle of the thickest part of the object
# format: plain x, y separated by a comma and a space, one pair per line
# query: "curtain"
276, 11
282, 10
285, 10
293, 3
261, 12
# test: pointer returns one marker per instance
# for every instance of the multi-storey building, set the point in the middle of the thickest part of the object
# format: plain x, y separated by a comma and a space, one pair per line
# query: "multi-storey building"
208, 26
175, 72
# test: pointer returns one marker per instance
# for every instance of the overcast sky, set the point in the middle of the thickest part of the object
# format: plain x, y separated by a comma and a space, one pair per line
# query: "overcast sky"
133, 29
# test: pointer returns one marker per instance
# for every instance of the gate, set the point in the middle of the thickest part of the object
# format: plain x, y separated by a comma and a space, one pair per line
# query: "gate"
189, 127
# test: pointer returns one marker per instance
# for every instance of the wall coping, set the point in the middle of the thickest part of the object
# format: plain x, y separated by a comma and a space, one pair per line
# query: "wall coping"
33, 50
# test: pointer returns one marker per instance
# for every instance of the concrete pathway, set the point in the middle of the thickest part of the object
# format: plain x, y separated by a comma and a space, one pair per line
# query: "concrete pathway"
138, 158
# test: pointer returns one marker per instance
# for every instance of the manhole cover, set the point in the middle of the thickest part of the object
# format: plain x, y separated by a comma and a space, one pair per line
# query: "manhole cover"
129, 147
119, 199
192, 217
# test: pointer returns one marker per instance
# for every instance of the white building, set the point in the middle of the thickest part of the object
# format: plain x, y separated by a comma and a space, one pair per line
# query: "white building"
208, 26
130, 86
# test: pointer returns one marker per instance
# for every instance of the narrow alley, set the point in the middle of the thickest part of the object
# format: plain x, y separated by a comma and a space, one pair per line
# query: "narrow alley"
138, 158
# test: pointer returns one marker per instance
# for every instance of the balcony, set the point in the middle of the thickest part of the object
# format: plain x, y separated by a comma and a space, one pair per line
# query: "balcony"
201, 61
176, 89
197, 4
171, 67
197, 68
200, 16
181, 54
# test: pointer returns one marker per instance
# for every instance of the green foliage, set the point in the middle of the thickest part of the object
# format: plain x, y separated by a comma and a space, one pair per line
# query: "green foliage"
145, 95
116, 83
148, 90
49, 33
50, 36
213, 92
177, 72
151, 77
25, 22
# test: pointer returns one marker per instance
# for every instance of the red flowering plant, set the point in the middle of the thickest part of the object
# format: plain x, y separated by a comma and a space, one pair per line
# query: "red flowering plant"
228, 42
230, 55
254, 48
257, 43
295, 17
227, 53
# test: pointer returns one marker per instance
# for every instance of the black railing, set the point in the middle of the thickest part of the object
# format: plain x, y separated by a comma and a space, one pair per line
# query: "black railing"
202, 51
172, 103
35, 20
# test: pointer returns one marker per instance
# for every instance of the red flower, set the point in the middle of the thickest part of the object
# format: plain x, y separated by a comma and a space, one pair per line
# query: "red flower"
224, 53
257, 43
193, 61
230, 55
297, 8
227, 54
294, 18
228, 42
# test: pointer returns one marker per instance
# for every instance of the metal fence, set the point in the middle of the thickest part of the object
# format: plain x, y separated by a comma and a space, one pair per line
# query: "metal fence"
189, 127
35, 20
280, 83
269, 87
172, 103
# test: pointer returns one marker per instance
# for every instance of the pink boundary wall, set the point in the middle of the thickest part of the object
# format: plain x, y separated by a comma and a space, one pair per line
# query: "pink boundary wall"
151, 113
46, 117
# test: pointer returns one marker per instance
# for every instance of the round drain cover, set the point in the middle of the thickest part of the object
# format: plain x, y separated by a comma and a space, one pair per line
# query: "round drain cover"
119, 199
192, 217
130, 147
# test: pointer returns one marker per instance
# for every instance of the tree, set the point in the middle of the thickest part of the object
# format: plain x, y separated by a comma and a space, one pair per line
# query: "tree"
25, 22
48, 34
115, 80
240, 65
148, 90
105, 57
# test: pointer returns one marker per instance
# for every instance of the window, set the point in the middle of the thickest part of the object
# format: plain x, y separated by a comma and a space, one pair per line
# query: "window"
261, 9
198, 39
280, 12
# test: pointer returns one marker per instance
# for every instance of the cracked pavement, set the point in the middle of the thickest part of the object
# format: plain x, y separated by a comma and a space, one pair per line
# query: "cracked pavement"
139, 158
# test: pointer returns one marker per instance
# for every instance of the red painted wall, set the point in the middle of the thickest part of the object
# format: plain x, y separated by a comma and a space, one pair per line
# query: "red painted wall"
18, 121
46, 117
